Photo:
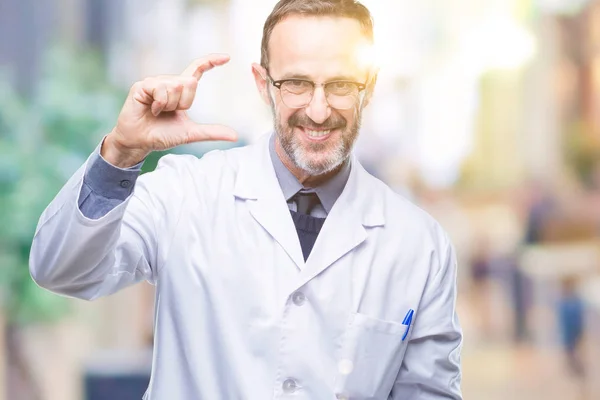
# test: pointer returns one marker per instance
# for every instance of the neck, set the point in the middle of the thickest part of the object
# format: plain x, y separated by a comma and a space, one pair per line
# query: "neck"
307, 180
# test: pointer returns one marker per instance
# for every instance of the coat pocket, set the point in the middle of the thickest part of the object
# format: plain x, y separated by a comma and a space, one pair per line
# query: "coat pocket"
369, 358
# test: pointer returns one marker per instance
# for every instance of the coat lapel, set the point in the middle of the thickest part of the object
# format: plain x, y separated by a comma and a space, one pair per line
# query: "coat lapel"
257, 184
359, 208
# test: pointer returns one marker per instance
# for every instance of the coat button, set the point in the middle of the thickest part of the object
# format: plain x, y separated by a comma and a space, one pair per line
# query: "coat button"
289, 386
125, 183
298, 298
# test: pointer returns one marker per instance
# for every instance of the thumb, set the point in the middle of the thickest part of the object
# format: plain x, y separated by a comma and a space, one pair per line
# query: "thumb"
203, 132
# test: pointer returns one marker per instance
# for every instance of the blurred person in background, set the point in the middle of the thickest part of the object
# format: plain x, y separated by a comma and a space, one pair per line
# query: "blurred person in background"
570, 312
539, 207
481, 287
281, 268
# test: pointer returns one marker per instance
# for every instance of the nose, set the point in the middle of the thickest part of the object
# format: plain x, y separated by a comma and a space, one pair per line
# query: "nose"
318, 109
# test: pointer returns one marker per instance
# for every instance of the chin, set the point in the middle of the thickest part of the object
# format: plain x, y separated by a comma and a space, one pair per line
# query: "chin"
316, 164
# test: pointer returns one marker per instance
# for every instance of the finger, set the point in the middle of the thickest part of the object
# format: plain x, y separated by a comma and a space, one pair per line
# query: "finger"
180, 91
160, 98
142, 91
203, 64
174, 90
203, 132
188, 94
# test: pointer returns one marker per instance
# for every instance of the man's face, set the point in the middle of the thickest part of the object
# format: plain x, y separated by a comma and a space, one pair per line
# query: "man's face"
316, 138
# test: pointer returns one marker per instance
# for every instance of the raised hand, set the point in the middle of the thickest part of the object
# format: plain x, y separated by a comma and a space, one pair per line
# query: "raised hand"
154, 116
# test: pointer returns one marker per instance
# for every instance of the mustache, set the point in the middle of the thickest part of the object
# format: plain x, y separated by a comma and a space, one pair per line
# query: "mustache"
333, 122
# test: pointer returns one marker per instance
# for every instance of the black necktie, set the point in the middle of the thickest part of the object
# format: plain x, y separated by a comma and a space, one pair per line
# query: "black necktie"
307, 226
306, 202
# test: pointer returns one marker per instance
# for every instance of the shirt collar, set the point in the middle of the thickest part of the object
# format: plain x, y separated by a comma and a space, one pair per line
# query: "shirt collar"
328, 192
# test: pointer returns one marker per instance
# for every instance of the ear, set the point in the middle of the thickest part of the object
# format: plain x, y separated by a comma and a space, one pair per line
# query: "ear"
370, 87
260, 78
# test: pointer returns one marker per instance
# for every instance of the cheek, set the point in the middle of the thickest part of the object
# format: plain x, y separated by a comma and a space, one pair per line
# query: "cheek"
349, 116
283, 114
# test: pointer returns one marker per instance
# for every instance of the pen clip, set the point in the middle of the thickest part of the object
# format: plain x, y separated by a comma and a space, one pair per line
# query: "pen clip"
407, 321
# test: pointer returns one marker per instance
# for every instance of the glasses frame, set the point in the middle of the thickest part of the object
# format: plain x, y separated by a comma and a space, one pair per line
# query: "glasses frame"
278, 83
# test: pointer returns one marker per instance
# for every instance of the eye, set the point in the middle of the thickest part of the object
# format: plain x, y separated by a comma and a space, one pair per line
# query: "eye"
342, 88
298, 83
297, 86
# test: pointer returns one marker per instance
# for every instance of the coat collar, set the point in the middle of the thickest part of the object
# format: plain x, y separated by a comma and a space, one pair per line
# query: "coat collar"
361, 205
328, 191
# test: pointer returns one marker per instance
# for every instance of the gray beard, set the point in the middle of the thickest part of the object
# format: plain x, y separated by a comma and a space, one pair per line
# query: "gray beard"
301, 156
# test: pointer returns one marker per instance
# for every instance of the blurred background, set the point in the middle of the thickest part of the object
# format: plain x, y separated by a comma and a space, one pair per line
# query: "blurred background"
486, 114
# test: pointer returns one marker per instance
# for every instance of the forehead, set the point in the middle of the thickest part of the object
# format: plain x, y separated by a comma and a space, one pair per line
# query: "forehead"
317, 47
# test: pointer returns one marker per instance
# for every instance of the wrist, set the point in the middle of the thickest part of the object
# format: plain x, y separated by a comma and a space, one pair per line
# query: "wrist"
118, 155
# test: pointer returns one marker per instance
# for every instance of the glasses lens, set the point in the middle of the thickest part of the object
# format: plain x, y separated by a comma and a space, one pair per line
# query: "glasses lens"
342, 102
297, 87
296, 93
342, 88
342, 95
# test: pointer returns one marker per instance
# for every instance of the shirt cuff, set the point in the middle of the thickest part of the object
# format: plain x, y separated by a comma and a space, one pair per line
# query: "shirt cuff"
108, 180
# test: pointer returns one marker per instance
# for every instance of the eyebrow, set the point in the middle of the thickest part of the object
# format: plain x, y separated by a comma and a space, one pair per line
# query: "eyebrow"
308, 78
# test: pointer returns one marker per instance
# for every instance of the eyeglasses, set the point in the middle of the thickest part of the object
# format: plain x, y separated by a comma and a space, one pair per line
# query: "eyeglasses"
298, 93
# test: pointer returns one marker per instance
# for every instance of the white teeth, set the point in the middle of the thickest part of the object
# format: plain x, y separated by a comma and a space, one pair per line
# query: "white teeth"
317, 133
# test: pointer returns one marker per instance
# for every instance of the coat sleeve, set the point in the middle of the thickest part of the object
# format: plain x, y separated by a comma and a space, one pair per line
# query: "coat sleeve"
431, 367
87, 258
105, 186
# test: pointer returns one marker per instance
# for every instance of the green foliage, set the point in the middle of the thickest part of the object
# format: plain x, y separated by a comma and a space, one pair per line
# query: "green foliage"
43, 140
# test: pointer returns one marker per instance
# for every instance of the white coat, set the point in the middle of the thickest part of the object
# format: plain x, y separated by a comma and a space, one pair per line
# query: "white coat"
238, 313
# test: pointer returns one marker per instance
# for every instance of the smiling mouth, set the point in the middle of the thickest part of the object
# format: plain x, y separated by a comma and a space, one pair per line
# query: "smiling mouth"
316, 134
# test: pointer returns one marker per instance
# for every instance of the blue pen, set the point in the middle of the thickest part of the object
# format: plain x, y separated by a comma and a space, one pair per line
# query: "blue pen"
407, 320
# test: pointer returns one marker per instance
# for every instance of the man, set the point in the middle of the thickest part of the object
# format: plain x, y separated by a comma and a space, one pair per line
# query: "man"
282, 269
